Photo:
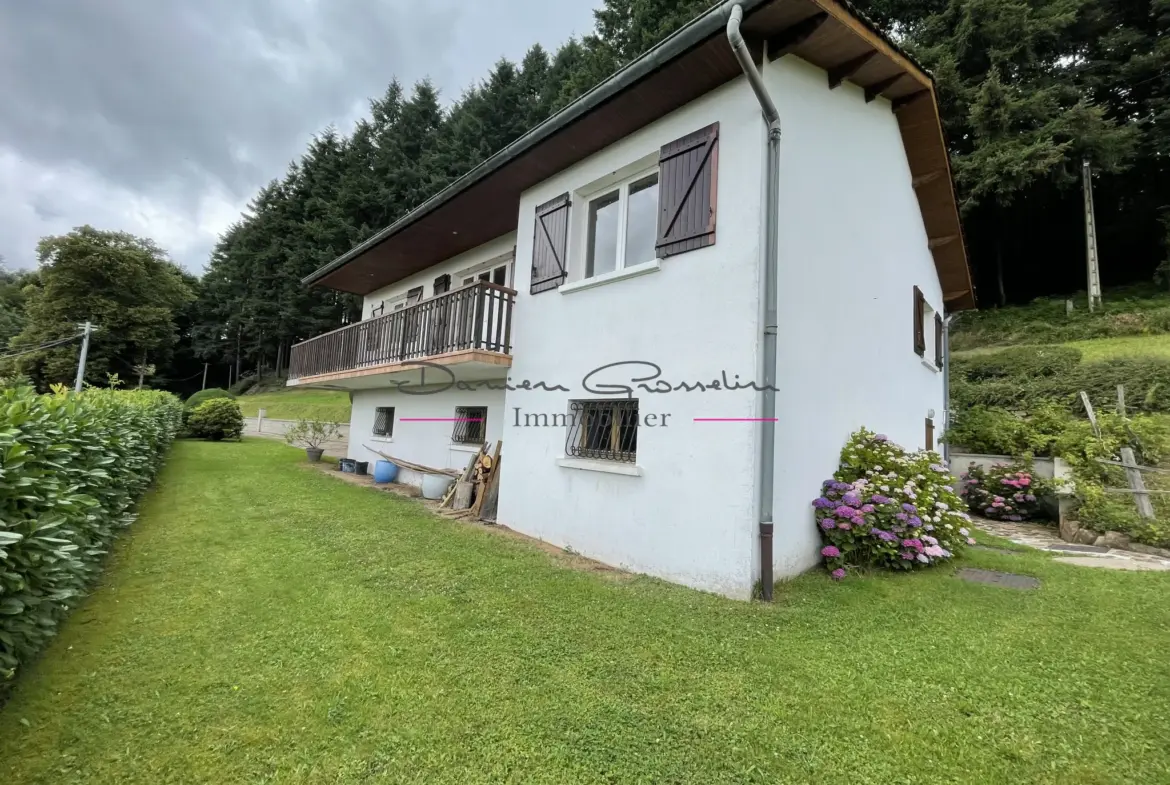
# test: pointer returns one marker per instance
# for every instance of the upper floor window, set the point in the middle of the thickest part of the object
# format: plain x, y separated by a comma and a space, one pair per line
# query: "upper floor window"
657, 207
622, 225
928, 331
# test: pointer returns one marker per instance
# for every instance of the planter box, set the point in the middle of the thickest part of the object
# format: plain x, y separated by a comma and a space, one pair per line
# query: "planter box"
1058, 506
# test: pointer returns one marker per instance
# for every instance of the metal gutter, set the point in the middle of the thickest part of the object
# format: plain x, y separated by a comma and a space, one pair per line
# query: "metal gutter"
771, 209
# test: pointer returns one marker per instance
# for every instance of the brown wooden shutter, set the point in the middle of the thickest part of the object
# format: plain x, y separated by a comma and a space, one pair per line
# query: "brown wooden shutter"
687, 181
442, 284
938, 340
415, 295
919, 318
549, 241
929, 433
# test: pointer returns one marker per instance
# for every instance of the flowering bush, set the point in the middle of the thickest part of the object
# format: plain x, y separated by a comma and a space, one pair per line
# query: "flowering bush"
889, 508
1009, 492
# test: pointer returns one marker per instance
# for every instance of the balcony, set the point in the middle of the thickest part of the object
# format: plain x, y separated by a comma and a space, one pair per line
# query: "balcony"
468, 331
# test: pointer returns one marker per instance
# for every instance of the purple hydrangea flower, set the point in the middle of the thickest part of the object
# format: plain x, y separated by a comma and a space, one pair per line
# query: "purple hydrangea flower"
830, 552
877, 498
915, 521
902, 516
827, 523
858, 520
852, 499
908, 555
910, 508
934, 550
867, 508
926, 538
845, 512
822, 503
1030, 497
842, 486
881, 437
883, 535
838, 574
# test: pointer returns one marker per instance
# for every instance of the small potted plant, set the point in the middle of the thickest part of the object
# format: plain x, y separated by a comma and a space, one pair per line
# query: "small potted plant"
312, 434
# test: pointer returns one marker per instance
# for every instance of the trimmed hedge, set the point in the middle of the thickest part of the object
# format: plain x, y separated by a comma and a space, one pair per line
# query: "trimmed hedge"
71, 469
1026, 377
206, 395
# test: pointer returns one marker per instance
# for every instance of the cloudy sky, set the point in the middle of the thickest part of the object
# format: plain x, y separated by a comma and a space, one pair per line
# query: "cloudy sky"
163, 117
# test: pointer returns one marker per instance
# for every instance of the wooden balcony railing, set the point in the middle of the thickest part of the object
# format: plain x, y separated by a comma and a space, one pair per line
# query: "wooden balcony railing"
474, 317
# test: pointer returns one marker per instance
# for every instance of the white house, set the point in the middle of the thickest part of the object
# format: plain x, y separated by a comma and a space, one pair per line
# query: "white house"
596, 296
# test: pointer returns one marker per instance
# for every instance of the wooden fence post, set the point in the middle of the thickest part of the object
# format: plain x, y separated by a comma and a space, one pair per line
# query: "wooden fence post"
1121, 400
1136, 483
1092, 415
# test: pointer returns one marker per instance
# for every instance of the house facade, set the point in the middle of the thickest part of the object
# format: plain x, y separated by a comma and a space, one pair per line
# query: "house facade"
593, 297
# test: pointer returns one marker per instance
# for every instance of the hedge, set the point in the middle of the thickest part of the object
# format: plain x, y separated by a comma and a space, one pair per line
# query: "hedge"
1026, 377
71, 469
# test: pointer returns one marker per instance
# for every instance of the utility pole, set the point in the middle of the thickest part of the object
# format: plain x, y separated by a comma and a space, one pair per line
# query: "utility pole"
204, 387
81, 360
1091, 237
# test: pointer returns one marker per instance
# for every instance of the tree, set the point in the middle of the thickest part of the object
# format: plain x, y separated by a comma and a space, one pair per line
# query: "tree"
122, 283
13, 286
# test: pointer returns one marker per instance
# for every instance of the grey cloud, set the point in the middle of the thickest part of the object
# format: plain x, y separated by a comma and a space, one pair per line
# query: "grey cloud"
172, 114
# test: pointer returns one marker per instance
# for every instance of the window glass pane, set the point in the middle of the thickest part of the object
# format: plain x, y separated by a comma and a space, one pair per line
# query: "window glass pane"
500, 276
642, 220
603, 227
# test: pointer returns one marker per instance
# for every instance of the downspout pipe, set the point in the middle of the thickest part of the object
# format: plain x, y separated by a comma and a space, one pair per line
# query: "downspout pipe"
946, 371
771, 207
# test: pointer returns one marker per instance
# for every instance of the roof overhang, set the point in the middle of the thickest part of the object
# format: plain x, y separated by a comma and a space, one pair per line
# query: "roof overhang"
482, 204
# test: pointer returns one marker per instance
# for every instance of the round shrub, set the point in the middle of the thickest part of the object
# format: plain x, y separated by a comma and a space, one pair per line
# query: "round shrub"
207, 395
216, 419
888, 508
243, 385
1008, 492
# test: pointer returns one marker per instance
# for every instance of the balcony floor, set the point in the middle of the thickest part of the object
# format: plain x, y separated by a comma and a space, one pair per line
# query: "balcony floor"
467, 365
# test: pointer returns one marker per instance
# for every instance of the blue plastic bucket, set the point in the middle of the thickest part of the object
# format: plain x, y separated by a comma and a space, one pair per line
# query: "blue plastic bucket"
385, 471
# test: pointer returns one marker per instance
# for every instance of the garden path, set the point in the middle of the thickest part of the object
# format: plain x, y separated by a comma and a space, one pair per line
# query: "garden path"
1046, 538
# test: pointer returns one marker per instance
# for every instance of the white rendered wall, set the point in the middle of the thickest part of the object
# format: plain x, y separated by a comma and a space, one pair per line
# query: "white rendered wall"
452, 266
427, 443
690, 517
852, 247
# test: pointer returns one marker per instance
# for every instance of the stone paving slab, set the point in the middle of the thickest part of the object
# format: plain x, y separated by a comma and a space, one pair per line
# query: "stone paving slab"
1111, 563
1006, 580
1073, 548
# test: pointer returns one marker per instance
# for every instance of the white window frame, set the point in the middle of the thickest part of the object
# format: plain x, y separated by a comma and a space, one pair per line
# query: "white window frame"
620, 181
470, 275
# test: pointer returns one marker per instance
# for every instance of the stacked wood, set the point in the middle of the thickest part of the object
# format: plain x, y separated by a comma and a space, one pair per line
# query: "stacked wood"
474, 486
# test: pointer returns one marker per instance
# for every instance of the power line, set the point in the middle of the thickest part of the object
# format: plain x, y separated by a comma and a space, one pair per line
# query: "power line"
48, 345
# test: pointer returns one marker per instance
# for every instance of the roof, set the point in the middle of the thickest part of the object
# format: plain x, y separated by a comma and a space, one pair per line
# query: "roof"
830, 34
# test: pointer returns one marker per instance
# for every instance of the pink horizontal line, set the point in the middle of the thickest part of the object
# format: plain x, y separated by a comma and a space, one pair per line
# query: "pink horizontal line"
438, 419
736, 419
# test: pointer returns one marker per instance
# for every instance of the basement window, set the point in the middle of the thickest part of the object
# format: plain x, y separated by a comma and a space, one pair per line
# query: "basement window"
603, 430
384, 421
470, 425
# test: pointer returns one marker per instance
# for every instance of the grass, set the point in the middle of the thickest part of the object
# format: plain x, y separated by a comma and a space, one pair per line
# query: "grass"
263, 623
293, 404
1128, 346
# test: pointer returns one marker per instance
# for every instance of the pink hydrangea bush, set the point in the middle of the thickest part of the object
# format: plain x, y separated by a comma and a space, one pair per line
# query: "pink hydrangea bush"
1008, 492
889, 508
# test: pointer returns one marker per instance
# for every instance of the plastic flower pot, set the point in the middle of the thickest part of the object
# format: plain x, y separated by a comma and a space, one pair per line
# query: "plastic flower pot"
314, 454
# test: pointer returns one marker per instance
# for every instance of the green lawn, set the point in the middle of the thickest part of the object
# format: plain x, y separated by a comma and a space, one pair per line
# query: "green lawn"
1129, 346
263, 623
292, 404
